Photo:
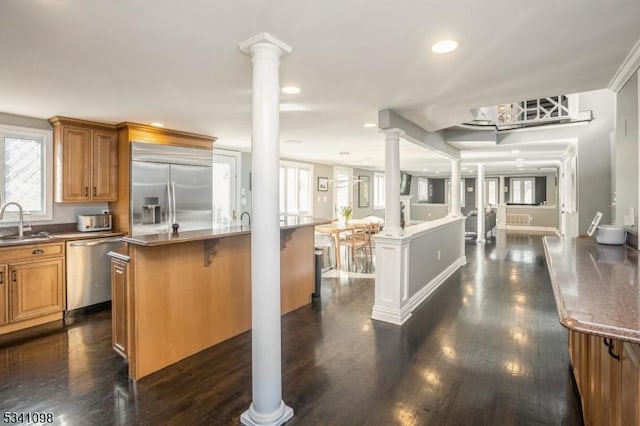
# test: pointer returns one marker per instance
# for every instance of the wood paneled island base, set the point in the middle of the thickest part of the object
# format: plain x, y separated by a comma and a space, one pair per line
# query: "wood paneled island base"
190, 292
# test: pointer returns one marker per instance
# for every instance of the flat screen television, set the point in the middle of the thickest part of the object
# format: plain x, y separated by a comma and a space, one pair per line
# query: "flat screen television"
405, 183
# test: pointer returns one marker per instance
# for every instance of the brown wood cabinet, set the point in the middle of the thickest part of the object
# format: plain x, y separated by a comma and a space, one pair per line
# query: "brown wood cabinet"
4, 299
32, 286
119, 306
629, 391
86, 155
36, 289
607, 372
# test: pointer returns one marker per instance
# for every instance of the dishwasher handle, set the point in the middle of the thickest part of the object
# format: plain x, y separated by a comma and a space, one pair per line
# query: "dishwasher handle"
95, 242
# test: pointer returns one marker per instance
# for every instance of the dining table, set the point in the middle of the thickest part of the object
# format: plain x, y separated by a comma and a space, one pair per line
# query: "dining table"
336, 228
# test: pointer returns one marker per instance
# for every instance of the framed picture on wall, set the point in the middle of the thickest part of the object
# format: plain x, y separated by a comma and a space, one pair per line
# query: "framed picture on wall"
323, 184
363, 191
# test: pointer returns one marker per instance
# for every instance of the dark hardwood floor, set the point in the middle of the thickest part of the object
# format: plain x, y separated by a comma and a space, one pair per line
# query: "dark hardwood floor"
485, 349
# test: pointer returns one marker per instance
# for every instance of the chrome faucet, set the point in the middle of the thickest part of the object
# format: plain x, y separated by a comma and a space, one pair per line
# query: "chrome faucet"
20, 223
248, 216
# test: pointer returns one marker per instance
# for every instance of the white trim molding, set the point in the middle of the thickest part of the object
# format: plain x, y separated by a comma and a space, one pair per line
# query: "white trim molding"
412, 266
630, 64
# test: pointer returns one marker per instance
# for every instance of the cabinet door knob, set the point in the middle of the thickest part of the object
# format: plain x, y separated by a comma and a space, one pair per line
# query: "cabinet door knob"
14, 276
94, 191
86, 191
1, 277
38, 251
609, 344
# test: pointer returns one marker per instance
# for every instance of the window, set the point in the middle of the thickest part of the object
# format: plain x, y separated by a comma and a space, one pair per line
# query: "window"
522, 190
342, 178
26, 177
462, 192
491, 191
295, 188
225, 195
423, 189
378, 191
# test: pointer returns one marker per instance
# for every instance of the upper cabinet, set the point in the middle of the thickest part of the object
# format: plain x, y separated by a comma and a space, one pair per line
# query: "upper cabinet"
86, 156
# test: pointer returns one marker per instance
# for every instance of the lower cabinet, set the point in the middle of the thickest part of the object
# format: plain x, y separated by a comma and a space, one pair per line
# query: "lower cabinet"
36, 289
119, 305
4, 296
32, 286
629, 412
607, 372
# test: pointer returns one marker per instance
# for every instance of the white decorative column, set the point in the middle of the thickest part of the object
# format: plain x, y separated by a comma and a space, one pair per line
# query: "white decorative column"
480, 203
392, 183
267, 407
501, 217
454, 209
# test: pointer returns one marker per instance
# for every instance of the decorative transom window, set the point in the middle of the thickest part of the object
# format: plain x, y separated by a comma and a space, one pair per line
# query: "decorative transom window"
26, 175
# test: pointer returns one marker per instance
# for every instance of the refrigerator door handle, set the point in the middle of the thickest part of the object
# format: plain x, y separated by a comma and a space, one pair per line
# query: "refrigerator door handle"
169, 211
173, 202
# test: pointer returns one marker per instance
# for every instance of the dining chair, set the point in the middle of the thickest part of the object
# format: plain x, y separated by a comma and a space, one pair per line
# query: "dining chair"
358, 239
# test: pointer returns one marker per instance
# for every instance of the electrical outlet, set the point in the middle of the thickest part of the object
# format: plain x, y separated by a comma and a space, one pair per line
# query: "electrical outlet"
438, 254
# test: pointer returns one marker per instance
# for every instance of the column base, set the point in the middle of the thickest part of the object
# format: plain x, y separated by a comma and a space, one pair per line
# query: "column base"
278, 417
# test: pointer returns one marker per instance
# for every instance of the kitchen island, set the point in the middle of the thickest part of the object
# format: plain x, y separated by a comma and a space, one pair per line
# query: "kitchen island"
597, 293
177, 294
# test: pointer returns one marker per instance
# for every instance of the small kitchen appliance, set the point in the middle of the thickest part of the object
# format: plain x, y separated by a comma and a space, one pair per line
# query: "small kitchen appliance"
94, 222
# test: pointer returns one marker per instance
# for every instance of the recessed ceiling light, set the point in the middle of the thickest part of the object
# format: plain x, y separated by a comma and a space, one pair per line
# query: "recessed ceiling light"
425, 170
519, 159
291, 90
293, 141
444, 46
344, 153
369, 125
437, 172
157, 124
515, 151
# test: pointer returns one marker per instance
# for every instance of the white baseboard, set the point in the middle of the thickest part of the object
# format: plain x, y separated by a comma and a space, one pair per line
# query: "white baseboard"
531, 228
400, 316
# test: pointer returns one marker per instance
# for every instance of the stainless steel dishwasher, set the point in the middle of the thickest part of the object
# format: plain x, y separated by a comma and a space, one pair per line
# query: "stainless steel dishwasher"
89, 271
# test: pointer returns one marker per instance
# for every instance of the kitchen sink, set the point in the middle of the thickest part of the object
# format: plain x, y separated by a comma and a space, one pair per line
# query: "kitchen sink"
15, 239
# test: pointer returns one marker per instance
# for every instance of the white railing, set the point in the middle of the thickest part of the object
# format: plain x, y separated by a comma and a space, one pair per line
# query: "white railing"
548, 110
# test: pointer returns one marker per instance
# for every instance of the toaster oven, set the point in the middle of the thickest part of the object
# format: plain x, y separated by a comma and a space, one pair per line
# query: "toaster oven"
94, 222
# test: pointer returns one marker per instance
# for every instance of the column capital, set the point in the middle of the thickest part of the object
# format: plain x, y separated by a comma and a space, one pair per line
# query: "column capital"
390, 133
267, 40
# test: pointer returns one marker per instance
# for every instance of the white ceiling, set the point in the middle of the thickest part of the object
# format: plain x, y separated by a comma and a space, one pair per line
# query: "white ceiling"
179, 62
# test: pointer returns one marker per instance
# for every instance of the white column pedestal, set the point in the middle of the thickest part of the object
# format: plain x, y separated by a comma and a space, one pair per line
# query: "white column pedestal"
501, 214
411, 267
267, 407
392, 183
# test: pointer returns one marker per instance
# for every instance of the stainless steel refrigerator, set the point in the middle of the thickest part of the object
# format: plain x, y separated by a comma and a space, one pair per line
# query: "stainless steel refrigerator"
170, 185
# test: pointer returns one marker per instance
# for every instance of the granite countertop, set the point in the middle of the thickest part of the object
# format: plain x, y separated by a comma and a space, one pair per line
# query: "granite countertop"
286, 222
596, 287
33, 238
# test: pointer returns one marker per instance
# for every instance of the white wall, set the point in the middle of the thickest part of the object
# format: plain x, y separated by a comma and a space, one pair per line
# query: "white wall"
322, 200
626, 150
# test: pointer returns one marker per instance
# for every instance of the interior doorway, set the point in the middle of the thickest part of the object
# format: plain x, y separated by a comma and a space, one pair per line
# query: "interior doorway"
225, 187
